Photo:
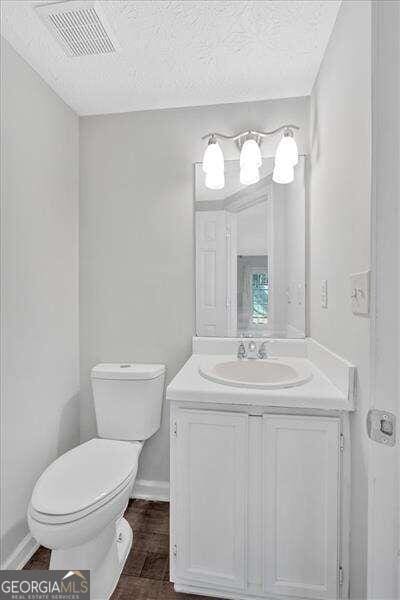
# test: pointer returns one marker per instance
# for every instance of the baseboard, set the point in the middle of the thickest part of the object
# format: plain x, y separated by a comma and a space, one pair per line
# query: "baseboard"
22, 553
145, 489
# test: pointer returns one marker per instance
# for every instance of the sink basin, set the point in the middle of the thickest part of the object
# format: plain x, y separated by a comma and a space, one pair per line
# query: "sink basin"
262, 374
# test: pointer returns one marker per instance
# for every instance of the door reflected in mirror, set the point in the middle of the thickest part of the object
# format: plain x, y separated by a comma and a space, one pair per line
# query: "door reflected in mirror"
250, 255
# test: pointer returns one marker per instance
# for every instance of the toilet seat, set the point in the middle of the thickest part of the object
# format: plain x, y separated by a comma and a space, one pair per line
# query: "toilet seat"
49, 519
83, 480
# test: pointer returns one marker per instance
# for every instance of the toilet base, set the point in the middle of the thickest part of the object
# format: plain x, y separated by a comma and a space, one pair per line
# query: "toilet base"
104, 556
107, 582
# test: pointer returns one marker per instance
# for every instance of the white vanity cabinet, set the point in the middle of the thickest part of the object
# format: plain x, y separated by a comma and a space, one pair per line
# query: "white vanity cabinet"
301, 477
256, 503
210, 491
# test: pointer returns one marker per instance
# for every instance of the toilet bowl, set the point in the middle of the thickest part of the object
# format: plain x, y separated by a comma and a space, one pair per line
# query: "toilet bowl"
77, 504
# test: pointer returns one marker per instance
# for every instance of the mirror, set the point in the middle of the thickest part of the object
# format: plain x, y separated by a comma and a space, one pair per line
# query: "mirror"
250, 255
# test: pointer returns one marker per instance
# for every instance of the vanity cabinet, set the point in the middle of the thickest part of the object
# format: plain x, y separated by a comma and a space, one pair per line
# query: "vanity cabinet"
301, 474
256, 504
210, 491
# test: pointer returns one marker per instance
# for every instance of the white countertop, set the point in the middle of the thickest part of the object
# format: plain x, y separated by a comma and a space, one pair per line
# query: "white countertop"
319, 393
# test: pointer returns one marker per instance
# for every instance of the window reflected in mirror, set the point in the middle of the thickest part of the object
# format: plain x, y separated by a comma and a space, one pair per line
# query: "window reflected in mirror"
252, 294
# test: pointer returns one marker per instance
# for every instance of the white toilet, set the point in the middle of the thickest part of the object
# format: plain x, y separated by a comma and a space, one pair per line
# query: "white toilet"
78, 503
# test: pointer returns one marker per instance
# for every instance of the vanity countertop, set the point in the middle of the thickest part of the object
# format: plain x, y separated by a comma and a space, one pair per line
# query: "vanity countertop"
319, 393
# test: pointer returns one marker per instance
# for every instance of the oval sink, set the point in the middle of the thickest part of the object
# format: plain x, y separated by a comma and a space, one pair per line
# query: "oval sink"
263, 374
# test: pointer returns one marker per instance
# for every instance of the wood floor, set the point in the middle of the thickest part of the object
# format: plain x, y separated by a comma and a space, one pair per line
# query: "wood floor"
146, 572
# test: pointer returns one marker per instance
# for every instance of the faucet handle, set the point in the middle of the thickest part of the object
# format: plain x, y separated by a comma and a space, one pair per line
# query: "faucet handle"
241, 353
262, 351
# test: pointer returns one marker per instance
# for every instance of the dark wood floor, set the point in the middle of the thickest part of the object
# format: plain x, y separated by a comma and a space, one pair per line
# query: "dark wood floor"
146, 572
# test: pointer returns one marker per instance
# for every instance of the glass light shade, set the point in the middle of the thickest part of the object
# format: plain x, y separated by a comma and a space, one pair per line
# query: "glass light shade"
283, 173
215, 180
213, 159
250, 155
249, 175
287, 152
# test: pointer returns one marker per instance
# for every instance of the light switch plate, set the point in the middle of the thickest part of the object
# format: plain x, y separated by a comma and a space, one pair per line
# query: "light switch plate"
324, 293
360, 293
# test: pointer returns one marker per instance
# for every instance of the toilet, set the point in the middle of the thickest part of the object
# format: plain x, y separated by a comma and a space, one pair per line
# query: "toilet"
77, 504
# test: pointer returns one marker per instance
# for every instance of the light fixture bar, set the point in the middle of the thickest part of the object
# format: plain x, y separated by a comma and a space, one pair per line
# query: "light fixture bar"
253, 132
249, 143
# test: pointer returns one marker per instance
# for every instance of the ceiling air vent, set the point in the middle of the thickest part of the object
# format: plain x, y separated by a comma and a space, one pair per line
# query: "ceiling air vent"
79, 26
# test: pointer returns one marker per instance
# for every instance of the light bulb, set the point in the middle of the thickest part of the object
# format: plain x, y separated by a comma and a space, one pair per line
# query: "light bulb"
213, 159
215, 180
283, 173
250, 155
249, 175
287, 152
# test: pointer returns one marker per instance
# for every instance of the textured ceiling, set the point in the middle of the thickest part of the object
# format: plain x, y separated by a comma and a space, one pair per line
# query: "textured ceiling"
182, 53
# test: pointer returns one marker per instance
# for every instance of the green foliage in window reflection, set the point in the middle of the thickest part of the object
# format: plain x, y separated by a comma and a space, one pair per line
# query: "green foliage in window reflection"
259, 284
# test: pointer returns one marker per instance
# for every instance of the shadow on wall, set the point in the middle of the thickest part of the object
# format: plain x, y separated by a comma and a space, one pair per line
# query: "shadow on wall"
67, 438
88, 423
68, 430
314, 132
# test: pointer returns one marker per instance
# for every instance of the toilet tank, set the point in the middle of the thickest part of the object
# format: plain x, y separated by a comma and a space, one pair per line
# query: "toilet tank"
128, 399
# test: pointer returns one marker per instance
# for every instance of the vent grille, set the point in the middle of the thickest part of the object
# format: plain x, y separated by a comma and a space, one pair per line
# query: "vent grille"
79, 26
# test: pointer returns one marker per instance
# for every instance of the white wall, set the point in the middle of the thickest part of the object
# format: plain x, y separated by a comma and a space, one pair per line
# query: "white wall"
252, 230
136, 236
39, 282
384, 461
295, 237
276, 223
340, 229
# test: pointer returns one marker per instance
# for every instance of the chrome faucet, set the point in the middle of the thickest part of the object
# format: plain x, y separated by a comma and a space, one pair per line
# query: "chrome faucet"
252, 353
252, 350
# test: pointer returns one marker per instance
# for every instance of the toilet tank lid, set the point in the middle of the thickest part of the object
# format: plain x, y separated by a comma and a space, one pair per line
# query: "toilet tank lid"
130, 371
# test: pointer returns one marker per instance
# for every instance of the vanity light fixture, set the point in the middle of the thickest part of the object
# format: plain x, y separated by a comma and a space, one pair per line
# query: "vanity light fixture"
286, 151
283, 173
250, 162
213, 165
249, 143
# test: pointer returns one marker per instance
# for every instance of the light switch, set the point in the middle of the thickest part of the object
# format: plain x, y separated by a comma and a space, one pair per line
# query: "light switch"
324, 293
359, 293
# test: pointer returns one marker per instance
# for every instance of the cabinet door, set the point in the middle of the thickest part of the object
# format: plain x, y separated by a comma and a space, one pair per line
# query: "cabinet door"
301, 474
210, 488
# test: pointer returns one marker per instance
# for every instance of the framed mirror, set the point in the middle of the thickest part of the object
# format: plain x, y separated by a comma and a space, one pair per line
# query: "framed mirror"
251, 255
